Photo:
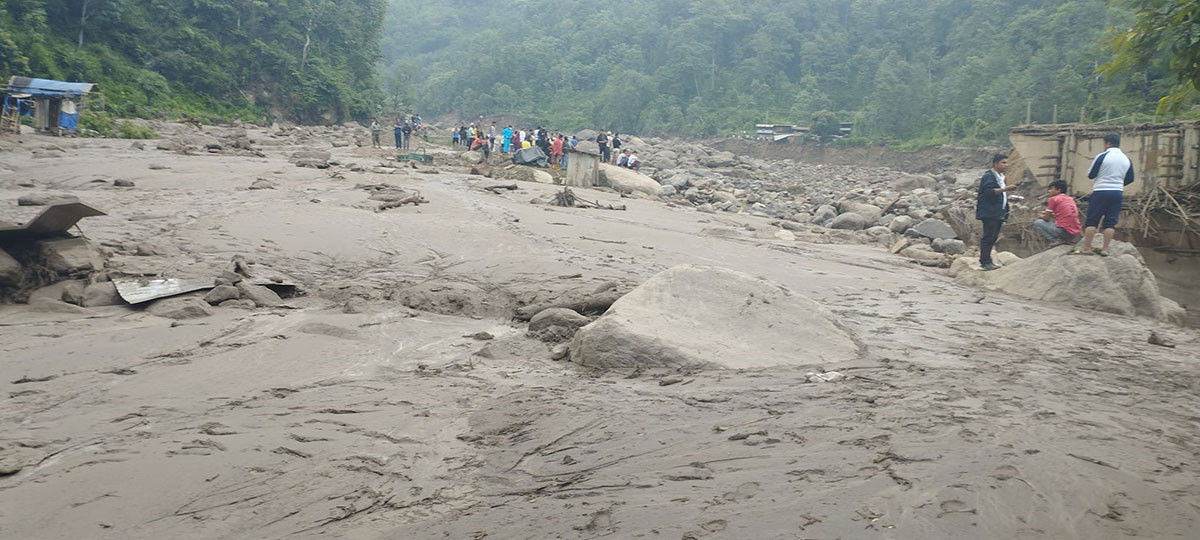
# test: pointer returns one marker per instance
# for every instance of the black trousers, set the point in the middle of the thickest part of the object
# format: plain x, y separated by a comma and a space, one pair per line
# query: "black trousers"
991, 231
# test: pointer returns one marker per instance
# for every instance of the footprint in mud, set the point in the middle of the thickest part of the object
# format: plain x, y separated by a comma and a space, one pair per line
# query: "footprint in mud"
954, 506
743, 492
1005, 472
714, 526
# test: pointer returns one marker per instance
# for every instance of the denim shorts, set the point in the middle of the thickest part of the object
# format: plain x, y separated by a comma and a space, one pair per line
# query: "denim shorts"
1104, 204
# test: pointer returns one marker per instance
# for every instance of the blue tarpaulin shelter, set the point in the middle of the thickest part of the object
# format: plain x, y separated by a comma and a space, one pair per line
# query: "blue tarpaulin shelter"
54, 101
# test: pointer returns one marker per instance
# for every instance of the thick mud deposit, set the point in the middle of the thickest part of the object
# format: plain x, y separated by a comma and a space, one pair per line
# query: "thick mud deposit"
400, 393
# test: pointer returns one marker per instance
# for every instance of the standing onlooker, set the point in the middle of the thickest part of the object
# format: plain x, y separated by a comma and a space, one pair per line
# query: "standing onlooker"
375, 132
556, 152
574, 142
616, 143
454, 134
602, 142
398, 132
1061, 208
991, 207
1112, 171
506, 138
407, 135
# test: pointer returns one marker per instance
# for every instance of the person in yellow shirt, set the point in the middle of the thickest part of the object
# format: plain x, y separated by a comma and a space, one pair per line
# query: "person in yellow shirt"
525, 144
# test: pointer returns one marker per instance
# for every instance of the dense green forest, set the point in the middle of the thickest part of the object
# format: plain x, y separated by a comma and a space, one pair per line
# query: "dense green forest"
307, 60
931, 70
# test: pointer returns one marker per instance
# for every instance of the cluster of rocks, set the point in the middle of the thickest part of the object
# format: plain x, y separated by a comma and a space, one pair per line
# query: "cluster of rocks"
819, 202
230, 140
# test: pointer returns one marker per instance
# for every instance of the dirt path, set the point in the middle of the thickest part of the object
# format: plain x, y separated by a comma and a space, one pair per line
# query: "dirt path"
973, 415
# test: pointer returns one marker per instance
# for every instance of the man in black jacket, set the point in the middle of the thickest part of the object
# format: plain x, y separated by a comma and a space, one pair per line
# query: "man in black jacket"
991, 207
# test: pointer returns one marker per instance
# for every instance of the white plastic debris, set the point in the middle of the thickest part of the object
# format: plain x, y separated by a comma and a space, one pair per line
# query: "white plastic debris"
828, 376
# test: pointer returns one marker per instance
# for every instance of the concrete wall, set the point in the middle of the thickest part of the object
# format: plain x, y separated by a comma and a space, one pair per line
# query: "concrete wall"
1165, 155
583, 169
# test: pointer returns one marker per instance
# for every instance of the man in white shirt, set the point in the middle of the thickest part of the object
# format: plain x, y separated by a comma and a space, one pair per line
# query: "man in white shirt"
1112, 170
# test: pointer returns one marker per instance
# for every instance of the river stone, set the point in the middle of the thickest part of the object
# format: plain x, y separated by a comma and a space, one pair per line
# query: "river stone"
261, 296
934, 229
1120, 283
899, 224
45, 199
949, 246
10, 269
713, 317
849, 221
823, 214
180, 308
68, 255
222, 293
557, 317
102, 294
628, 180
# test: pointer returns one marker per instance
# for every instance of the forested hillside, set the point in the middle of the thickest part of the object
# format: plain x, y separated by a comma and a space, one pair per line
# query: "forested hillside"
936, 70
307, 60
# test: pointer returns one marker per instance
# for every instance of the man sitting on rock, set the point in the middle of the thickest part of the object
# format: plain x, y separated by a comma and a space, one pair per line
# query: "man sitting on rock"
633, 162
1061, 208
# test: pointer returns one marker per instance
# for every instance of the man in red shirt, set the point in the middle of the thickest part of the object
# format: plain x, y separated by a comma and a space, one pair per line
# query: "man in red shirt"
1061, 208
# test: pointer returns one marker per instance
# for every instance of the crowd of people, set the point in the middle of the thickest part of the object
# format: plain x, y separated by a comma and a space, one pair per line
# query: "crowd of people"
403, 130
507, 140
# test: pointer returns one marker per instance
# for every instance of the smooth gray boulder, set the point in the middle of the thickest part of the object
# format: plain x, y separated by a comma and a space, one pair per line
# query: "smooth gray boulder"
1119, 283
261, 296
823, 214
102, 294
949, 246
628, 180
68, 255
180, 308
10, 269
557, 317
849, 221
713, 317
221, 293
935, 229
899, 224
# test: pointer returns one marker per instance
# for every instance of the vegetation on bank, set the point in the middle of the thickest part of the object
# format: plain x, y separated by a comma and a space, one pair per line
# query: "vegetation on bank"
901, 70
303, 60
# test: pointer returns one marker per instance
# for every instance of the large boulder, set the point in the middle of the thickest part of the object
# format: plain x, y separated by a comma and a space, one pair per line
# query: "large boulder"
260, 295
45, 199
721, 159
899, 224
180, 308
70, 255
1119, 283
934, 229
713, 317
102, 294
628, 180
564, 317
869, 211
10, 269
849, 221
823, 214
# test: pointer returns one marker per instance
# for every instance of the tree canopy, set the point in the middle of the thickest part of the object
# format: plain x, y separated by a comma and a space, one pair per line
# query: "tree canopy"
939, 70
1164, 29
307, 60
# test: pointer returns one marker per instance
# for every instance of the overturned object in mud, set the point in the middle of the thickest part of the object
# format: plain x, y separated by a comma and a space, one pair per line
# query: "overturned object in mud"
713, 317
1119, 284
136, 291
53, 221
567, 199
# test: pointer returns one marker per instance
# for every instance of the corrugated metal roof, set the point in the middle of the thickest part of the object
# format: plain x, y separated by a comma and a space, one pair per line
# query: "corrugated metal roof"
47, 87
